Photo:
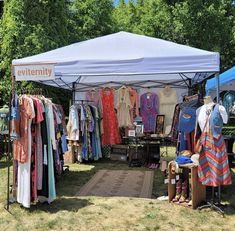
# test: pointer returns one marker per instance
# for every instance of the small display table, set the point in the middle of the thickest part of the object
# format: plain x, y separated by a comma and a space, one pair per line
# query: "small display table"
198, 191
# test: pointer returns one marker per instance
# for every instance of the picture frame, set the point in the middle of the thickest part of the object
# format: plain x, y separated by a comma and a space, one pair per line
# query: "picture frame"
131, 133
139, 129
160, 124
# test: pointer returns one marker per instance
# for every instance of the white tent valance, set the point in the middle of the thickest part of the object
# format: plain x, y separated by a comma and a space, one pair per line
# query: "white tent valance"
125, 57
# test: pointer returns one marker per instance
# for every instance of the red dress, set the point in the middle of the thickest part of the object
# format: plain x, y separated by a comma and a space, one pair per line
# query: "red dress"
110, 123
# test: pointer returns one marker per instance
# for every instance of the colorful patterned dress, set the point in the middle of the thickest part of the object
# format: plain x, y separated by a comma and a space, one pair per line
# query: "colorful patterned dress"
213, 169
148, 110
110, 123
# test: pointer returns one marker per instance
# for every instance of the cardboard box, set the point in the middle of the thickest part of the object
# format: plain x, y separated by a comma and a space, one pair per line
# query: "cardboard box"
69, 157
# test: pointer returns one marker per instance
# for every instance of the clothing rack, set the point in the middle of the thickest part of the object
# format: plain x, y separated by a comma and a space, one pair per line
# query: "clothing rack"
81, 101
33, 92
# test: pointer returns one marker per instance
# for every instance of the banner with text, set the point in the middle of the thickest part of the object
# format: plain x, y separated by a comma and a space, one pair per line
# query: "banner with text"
34, 72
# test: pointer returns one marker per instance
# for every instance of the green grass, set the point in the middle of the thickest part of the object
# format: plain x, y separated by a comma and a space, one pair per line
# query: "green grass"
70, 212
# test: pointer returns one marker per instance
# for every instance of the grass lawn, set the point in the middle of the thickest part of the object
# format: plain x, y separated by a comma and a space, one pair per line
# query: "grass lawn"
70, 212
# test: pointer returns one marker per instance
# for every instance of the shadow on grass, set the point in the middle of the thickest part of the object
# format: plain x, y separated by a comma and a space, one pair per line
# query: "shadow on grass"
4, 164
228, 195
60, 204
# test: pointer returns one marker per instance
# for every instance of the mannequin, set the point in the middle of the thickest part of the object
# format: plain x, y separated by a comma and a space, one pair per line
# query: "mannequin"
213, 169
207, 100
204, 111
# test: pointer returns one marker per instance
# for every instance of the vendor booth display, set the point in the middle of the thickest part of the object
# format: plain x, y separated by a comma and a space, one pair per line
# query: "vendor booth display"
210, 160
117, 81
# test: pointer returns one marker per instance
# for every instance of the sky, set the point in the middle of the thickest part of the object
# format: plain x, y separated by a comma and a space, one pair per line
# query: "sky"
116, 2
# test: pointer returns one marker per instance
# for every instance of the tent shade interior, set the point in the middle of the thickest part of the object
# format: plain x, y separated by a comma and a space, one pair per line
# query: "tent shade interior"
226, 82
126, 57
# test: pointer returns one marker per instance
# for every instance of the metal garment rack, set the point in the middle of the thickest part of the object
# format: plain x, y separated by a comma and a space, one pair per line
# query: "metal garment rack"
36, 91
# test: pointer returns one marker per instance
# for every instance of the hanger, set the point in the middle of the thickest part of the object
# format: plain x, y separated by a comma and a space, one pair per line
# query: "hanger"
107, 87
167, 87
93, 90
148, 91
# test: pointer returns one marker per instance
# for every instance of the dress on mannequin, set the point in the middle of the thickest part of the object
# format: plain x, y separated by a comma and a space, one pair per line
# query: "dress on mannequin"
168, 100
213, 169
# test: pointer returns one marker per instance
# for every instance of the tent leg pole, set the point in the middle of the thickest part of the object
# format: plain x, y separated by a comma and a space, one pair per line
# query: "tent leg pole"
9, 138
8, 157
189, 87
217, 87
217, 100
73, 92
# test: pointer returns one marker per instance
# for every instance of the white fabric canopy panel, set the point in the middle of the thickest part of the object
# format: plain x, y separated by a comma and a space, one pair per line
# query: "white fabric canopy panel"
124, 57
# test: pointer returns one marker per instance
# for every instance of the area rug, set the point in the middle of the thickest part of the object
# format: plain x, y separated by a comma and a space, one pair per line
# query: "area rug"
120, 183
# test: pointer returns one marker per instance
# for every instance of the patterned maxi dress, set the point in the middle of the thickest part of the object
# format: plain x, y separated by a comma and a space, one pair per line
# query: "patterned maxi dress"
213, 169
148, 110
111, 134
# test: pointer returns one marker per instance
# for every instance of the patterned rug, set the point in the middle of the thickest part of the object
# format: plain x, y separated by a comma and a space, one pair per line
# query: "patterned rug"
120, 183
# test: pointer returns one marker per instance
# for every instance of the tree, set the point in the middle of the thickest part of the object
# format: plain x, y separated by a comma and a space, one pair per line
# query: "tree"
89, 19
28, 28
124, 16
154, 18
206, 25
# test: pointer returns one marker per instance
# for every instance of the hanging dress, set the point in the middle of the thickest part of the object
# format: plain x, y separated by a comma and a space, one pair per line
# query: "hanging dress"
123, 107
134, 111
148, 109
168, 100
110, 123
213, 169
23, 150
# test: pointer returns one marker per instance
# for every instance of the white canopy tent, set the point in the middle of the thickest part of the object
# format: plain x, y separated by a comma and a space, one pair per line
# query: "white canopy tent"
125, 58
117, 59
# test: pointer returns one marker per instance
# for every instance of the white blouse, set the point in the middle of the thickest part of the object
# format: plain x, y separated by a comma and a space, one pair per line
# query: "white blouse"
204, 111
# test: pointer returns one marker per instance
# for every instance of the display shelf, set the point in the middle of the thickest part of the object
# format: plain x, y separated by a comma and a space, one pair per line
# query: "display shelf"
198, 191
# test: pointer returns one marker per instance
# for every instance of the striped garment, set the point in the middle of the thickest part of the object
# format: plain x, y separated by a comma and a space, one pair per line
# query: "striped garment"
213, 169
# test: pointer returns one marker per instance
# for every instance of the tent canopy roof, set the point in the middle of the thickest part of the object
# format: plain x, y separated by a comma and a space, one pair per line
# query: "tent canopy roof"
123, 54
226, 82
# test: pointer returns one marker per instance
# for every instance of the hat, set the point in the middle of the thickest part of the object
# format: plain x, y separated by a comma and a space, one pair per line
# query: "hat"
183, 160
216, 122
187, 120
186, 153
195, 159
